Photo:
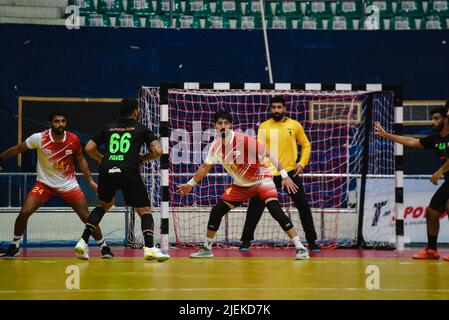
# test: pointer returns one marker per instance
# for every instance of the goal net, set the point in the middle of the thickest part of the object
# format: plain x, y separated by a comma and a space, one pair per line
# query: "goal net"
335, 123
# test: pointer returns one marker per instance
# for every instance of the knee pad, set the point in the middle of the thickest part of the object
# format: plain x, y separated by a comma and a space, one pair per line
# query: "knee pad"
278, 214
216, 214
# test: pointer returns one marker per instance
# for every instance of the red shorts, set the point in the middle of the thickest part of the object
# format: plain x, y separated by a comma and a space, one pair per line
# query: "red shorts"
44, 193
236, 194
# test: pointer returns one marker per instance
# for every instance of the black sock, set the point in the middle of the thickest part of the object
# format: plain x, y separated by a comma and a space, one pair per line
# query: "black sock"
88, 232
93, 221
147, 224
432, 241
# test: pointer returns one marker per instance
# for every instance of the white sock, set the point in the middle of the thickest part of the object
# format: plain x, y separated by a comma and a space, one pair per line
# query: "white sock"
208, 243
101, 243
297, 242
16, 240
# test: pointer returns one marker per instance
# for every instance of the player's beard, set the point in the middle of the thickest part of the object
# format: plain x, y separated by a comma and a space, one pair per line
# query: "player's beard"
277, 116
438, 128
58, 131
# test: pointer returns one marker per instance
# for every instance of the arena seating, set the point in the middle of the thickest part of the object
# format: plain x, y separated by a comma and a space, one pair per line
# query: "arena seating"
240, 14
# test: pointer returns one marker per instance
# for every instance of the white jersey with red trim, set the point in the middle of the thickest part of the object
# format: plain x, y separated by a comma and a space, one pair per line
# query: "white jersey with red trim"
56, 160
242, 157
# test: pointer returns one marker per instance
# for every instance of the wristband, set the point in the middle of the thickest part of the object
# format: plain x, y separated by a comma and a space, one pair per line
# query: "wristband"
283, 173
192, 182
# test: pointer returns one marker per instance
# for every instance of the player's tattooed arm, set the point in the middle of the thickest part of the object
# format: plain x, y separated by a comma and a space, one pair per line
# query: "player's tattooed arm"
202, 171
92, 150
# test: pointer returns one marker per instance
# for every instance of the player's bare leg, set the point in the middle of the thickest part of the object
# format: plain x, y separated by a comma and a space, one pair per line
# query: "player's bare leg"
150, 252
216, 214
93, 220
29, 207
278, 214
433, 228
82, 210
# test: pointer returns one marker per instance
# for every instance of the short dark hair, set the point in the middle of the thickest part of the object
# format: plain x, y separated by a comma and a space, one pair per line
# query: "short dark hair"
277, 99
222, 114
55, 113
447, 104
127, 106
440, 110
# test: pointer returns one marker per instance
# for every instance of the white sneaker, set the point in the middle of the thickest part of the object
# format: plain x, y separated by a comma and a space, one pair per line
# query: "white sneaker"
302, 254
81, 250
154, 253
203, 252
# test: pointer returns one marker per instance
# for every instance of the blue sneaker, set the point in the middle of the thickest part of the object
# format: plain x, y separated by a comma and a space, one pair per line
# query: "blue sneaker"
245, 246
315, 248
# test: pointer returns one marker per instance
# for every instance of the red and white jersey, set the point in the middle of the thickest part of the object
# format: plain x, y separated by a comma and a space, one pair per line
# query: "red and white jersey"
56, 165
242, 157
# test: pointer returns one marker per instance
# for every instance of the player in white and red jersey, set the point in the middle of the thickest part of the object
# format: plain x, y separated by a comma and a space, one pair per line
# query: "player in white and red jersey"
242, 157
57, 150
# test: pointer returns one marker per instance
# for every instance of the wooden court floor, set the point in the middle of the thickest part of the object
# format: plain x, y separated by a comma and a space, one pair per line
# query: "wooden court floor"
225, 277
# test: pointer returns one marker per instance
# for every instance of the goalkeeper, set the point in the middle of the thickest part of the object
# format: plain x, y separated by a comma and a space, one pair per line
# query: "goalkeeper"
282, 135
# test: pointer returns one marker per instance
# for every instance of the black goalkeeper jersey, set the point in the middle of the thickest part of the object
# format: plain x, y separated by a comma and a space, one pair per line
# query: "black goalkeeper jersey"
123, 138
440, 146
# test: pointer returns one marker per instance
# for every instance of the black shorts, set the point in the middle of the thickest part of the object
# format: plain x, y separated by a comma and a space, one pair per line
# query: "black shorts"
131, 185
440, 198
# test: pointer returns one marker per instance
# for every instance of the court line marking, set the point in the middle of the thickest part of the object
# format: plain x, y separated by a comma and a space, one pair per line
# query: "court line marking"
248, 290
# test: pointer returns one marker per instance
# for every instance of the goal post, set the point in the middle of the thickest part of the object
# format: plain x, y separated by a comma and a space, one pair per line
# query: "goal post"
348, 162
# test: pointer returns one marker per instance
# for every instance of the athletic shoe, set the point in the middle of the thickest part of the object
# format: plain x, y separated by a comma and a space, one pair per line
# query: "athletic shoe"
302, 254
11, 252
314, 248
245, 246
446, 258
427, 253
81, 250
106, 252
2, 252
154, 253
202, 253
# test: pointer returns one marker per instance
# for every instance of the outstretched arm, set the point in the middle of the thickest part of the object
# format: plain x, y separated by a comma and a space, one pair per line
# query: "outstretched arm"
406, 141
202, 171
92, 150
12, 152
84, 168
